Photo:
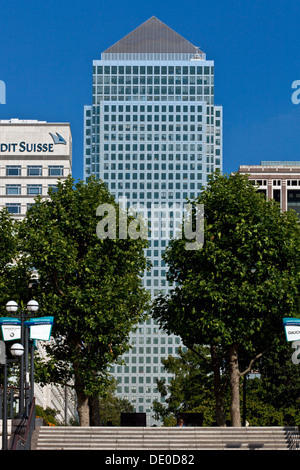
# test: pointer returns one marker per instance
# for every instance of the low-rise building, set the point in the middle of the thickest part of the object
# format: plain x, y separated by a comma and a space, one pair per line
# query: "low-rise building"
33, 156
278, 180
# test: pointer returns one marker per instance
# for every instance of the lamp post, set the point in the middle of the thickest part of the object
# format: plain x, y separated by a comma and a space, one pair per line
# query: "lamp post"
32, 307
13, 329
16, 351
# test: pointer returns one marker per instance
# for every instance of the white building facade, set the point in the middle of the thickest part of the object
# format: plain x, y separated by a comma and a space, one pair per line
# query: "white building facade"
33, 156
153, 134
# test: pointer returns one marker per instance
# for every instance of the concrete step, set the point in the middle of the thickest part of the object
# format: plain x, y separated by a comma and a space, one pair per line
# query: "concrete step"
128, 438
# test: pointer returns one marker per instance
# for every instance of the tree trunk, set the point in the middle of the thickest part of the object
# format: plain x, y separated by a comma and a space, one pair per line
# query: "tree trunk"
220, 413
94, 411
234, 385
82, 399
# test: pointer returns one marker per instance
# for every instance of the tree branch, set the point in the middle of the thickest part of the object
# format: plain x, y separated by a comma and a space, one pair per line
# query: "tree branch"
56, 285
202, 356
252, 361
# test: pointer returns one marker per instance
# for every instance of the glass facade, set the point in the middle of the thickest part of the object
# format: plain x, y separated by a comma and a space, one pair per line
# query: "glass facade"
153, 134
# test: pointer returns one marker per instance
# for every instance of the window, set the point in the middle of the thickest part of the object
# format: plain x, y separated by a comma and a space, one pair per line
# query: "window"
56, 170
34, 170
13, 208
34, 189
13, 170
13, 189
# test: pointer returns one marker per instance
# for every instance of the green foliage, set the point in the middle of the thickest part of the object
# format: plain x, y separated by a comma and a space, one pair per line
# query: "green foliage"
234, 292
111, 407
280, 378
169, 421
191, 388
47, 414
262, 410
247, 273
274, 398
92, 286
14, 276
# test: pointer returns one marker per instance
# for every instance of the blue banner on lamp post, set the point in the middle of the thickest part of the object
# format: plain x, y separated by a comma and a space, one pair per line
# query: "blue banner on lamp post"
40, 328
11, 328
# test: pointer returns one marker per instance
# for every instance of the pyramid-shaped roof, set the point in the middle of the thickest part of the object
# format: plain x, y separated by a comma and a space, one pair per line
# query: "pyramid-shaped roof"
153, 36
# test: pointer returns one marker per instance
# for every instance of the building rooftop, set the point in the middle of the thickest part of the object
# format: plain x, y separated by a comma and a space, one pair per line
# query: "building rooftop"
21, 121
281, 163
153, 36
274, 164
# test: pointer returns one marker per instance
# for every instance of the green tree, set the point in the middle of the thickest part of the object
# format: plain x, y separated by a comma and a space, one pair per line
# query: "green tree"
111, 407
14, 275
274, 399
233, 293
191, 388
261, 410
15, 278
92, 286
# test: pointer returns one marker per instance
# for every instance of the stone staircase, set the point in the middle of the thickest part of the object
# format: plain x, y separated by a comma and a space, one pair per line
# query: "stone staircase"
160, 438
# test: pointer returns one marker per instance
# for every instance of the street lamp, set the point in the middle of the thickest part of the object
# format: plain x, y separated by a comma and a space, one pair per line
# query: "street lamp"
40, 329
11, 306
32, 307
17, 350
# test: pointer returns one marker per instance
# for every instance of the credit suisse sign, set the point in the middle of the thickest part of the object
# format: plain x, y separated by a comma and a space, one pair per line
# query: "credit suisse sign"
36, 147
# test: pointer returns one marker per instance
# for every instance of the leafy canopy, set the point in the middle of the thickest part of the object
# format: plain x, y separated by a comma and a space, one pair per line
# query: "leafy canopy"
92, 286
245, 279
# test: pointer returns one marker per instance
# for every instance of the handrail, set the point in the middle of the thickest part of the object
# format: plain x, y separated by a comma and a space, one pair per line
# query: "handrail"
293, 438
20, 440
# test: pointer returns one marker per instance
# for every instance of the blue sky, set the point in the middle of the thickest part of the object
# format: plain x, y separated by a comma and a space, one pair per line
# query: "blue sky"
47, 49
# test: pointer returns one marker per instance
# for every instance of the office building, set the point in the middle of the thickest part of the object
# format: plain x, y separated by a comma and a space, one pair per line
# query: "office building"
153, 134
33, 156
278, 180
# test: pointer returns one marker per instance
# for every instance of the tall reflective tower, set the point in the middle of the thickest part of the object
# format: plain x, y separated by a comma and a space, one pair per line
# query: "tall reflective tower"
153, 134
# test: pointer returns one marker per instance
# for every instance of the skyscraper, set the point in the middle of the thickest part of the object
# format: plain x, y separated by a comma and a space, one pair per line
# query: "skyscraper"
153, 134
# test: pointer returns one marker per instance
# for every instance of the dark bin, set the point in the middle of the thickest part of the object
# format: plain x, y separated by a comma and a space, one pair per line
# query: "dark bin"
133, 419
